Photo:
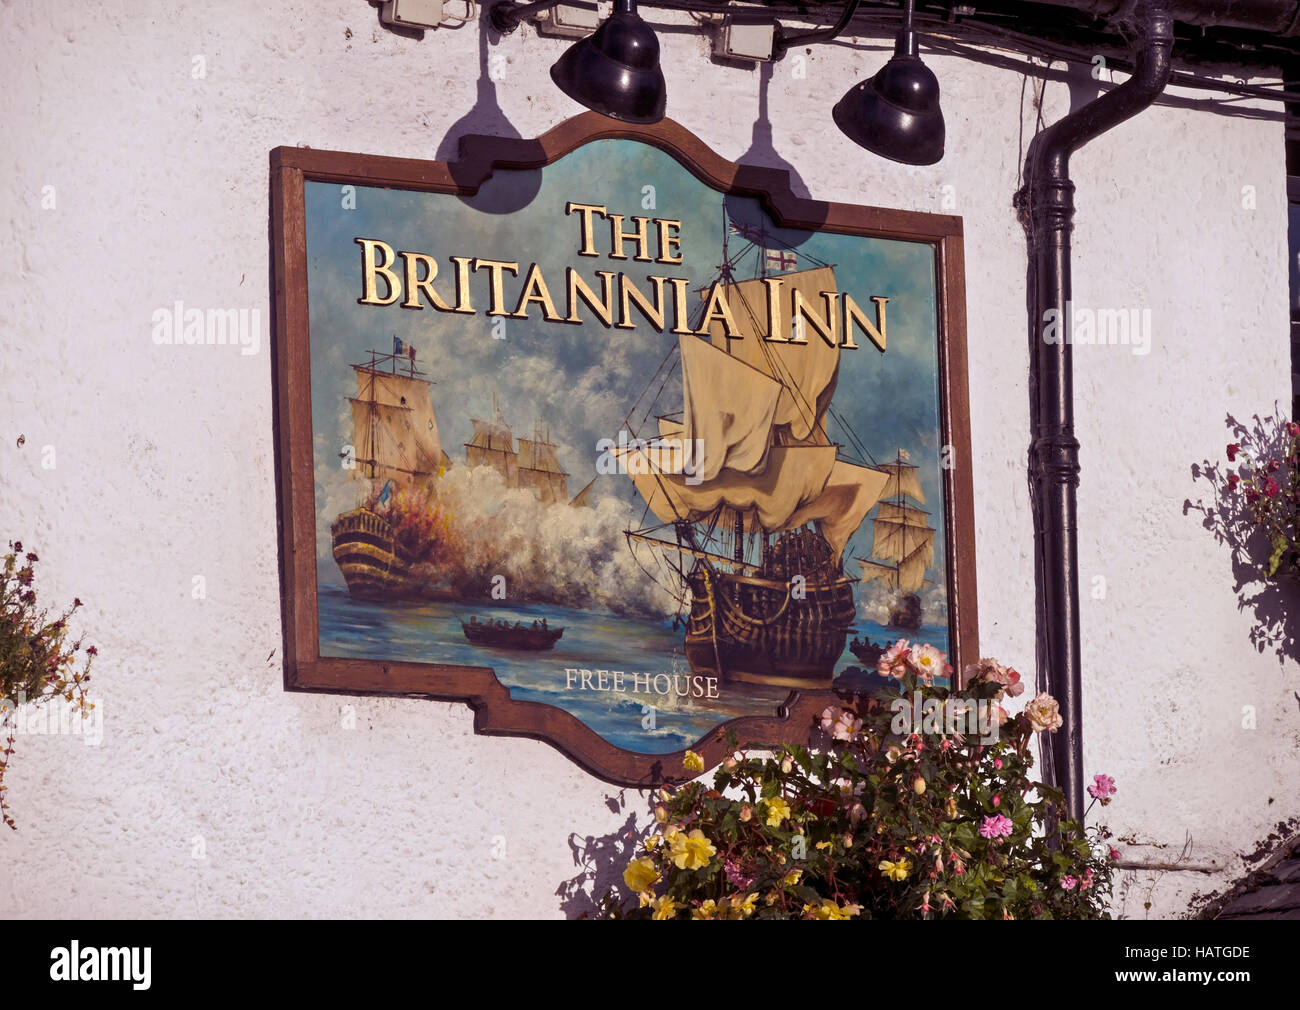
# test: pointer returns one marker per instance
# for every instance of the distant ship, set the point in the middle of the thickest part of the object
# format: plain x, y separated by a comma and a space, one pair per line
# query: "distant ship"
755, 520
903, 543
397, 449
534, 465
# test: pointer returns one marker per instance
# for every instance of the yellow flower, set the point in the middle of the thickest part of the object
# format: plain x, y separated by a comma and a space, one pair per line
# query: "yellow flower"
896, 871
693, 851
693, 762
777, 811
664, 908
828, 910
745, 905
706, 911
640, 874
652, 842
792, 878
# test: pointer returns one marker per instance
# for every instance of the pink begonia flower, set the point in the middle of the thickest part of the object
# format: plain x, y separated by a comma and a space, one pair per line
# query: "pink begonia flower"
894, 661
928, 662
846, 726
1114, 853
1102, 788
830, 717
1044, 714
995, 826
1067, 883
1085, 881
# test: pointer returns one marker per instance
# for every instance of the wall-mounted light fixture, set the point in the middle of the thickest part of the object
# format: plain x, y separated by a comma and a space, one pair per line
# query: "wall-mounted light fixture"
896, 114
616, 70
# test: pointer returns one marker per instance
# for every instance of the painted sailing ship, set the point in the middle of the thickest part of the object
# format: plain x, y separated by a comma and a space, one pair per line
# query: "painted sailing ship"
533, 465
902, 549
755, 504
397, 451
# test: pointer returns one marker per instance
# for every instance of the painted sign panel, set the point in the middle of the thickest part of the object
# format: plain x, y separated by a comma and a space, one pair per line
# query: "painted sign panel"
604, 429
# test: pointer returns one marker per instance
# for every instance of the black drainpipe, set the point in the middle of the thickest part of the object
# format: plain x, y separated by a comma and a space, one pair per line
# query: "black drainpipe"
1046, 206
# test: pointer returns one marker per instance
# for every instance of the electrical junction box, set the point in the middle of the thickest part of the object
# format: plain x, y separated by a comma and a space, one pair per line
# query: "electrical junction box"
412, 13
746, 42
569, 21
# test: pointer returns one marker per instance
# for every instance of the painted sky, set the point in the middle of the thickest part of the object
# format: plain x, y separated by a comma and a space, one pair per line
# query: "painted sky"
581, 381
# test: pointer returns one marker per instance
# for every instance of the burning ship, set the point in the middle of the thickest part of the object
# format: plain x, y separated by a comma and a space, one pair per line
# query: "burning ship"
395, 436
755, 504
399, 455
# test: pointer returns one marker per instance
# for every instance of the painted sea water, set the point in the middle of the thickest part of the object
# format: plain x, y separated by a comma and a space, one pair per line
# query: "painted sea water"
430, 632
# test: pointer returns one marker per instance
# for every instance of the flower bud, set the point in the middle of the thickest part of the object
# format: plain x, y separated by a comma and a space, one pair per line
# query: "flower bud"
918, 786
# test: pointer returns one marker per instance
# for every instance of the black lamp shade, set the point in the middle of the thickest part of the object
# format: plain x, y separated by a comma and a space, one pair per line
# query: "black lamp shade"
616, 70
896, 113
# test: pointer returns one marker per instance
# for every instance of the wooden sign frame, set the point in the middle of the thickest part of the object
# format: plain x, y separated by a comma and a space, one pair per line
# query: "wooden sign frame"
495, 712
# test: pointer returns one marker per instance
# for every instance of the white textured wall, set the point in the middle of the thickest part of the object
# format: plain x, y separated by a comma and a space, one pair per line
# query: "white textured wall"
165, 460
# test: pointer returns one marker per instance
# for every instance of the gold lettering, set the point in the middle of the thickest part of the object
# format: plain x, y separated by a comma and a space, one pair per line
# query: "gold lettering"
535, 290
853, 314
588, 238
775, 322
669, 242
496, 268
826, 327
629, 293
716, 308
603, 307
681, 316
370, 271
463, 301
415, 286
618, 238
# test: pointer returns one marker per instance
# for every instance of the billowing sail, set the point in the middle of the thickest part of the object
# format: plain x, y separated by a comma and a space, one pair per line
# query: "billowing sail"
872, 570
585, 498
849, 495
911, 570
794, 477
393, 427
728, 411
902, 480
539, 469
493, 445
900, 539
798, 357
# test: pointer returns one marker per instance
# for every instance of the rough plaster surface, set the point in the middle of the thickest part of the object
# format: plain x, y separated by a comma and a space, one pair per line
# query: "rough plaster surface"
164, 460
